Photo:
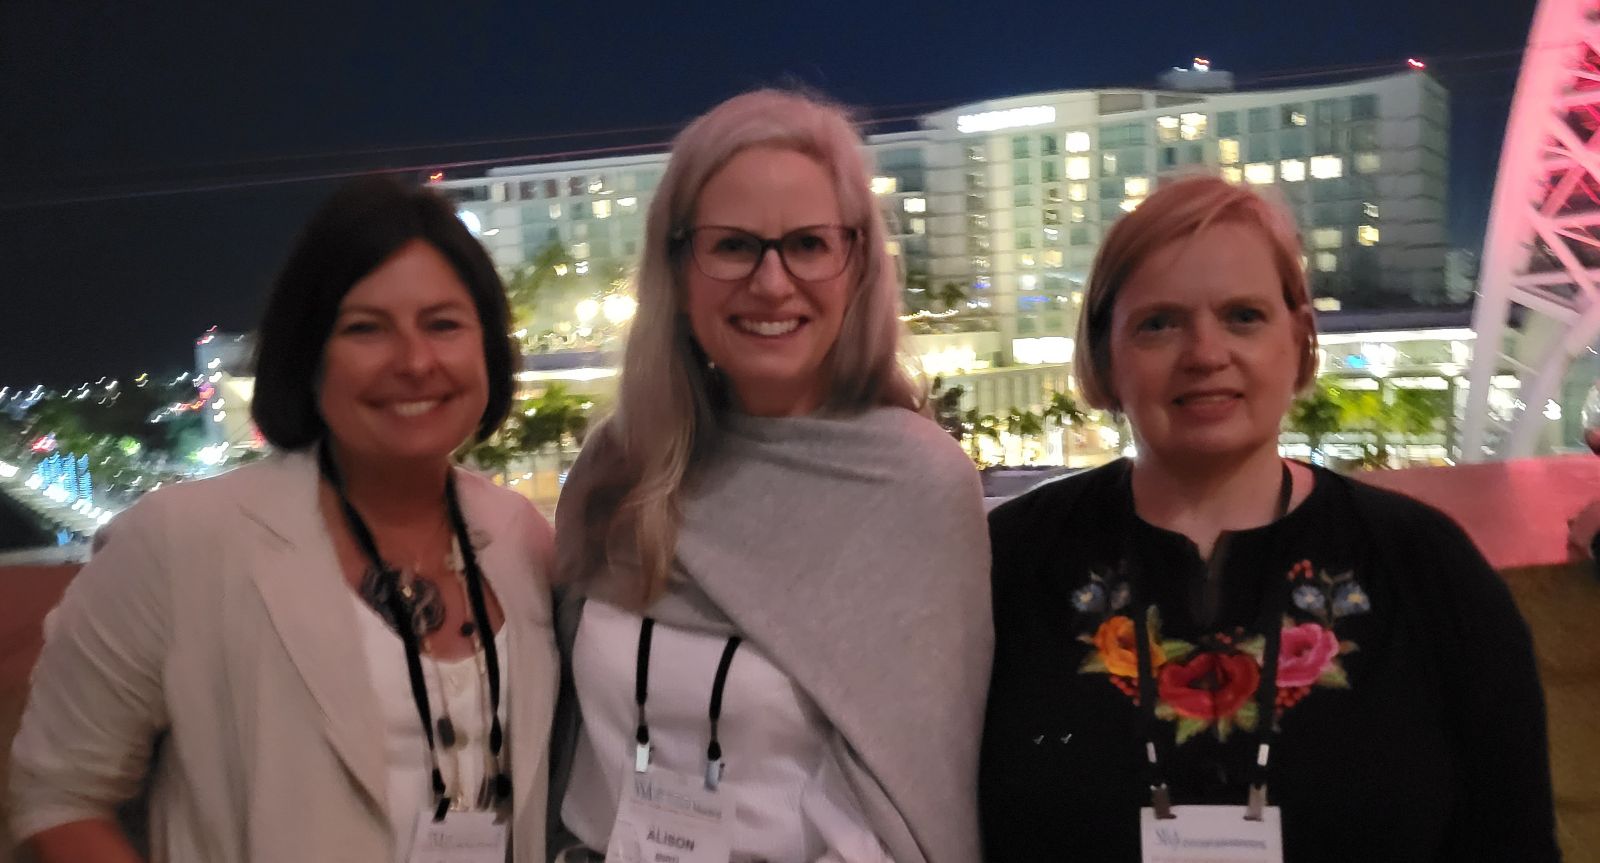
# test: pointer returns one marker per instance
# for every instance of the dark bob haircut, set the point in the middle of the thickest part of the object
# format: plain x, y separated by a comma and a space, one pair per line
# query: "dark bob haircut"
364, 224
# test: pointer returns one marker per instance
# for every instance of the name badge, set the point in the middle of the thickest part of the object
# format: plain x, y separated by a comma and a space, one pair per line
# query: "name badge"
1211, 834
666, 817
462, 837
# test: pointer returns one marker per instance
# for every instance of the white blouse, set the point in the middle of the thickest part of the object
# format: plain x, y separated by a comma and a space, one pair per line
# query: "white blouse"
793, 803
461, 685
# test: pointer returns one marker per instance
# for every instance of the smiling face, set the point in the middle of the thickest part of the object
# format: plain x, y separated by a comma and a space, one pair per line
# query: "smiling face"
769, 333
1205, 352
403, 373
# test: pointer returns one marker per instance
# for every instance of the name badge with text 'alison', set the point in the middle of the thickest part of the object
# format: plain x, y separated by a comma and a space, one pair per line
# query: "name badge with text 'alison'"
462, 837
667, 817
1211, 834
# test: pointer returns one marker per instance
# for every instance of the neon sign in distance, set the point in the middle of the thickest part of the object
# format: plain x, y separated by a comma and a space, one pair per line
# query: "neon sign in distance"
1011, 118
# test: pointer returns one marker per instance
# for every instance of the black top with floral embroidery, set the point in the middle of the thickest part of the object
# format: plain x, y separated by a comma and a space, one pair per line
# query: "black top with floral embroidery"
1411, 721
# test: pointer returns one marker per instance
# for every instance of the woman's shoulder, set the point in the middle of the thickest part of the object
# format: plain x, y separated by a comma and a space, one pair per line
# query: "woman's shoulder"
1057, 498
923, 443
1393, 516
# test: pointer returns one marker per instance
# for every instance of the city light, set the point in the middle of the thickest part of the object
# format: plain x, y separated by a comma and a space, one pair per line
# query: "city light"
1013, 118
1415, 63
587, 310
618, 308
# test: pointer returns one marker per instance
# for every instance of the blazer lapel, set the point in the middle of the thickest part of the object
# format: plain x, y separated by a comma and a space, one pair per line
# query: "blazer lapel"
297, 575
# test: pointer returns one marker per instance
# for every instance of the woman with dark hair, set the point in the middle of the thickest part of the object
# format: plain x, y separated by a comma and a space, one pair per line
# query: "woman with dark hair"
344, 650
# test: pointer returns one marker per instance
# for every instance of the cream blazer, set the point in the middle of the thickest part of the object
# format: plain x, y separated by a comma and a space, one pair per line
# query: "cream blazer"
216, 621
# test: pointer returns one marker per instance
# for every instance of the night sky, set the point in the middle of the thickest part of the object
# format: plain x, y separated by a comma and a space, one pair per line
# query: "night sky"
102, 102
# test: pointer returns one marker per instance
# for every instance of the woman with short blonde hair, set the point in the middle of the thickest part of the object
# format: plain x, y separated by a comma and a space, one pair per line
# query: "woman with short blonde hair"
1209, 641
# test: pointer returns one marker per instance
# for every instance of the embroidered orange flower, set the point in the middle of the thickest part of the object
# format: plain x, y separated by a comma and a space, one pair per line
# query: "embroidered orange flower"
1115, 642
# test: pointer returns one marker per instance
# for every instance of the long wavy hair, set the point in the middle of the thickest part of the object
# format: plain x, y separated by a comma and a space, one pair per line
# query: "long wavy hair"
669, 399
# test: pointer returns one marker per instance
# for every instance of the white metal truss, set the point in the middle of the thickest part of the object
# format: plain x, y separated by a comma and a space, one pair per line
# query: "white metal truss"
1542, 249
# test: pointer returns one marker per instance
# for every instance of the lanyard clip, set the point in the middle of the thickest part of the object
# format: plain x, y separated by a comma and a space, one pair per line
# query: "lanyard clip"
713, 773
1161, 801
1257, 802
641, 757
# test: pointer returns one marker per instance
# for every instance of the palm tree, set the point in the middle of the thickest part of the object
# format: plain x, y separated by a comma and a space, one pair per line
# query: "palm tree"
1365, 410
1063, 410
524, 285
1023, 424
976, 425
1317, 414
946, 405
555, 417
950, 295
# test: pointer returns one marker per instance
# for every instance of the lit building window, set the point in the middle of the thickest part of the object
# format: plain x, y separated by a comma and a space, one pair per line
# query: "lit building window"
1259, 173
884, 185
1051, 235
1228, 151
1368, 163
602, 209
919, 226
1167, 129
1052, 216
1108, 164
1327, 167
916, 205
1327, 238
1327, 262
1292, 170
1026, 260
1367, 235
1370, 210
1136, 187
555, 211
1077, 142
1077, 167
580, 250
1327, 304
1075, 213
581, 268
627, 205
1077, 191
1052, 258
1297, 118
1233, 175
1131, 204
1192, 127
597, 185
893, 246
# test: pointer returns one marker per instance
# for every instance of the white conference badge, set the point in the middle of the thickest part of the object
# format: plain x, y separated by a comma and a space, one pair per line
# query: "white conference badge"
462, 837
667, 817
1211, 834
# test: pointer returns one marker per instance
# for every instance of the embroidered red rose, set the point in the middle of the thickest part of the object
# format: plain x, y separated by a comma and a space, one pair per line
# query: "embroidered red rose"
1209, 685
1117, 648
1304, 653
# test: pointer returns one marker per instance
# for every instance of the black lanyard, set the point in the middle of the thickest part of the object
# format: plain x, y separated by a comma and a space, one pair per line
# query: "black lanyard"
1266, 689
641, 691
400, 612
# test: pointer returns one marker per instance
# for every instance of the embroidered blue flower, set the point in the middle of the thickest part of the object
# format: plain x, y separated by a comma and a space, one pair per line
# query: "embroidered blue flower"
1090, 598
1350, 598
1120, 596
1310, 598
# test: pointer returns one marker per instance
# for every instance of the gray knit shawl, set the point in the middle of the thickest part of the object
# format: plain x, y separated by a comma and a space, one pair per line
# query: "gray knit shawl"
854, 552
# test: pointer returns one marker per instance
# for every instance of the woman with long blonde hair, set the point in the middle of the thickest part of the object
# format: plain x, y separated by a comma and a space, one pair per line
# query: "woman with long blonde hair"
781, 562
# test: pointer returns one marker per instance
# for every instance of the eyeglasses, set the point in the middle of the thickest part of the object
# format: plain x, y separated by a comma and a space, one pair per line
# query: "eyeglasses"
814, 253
